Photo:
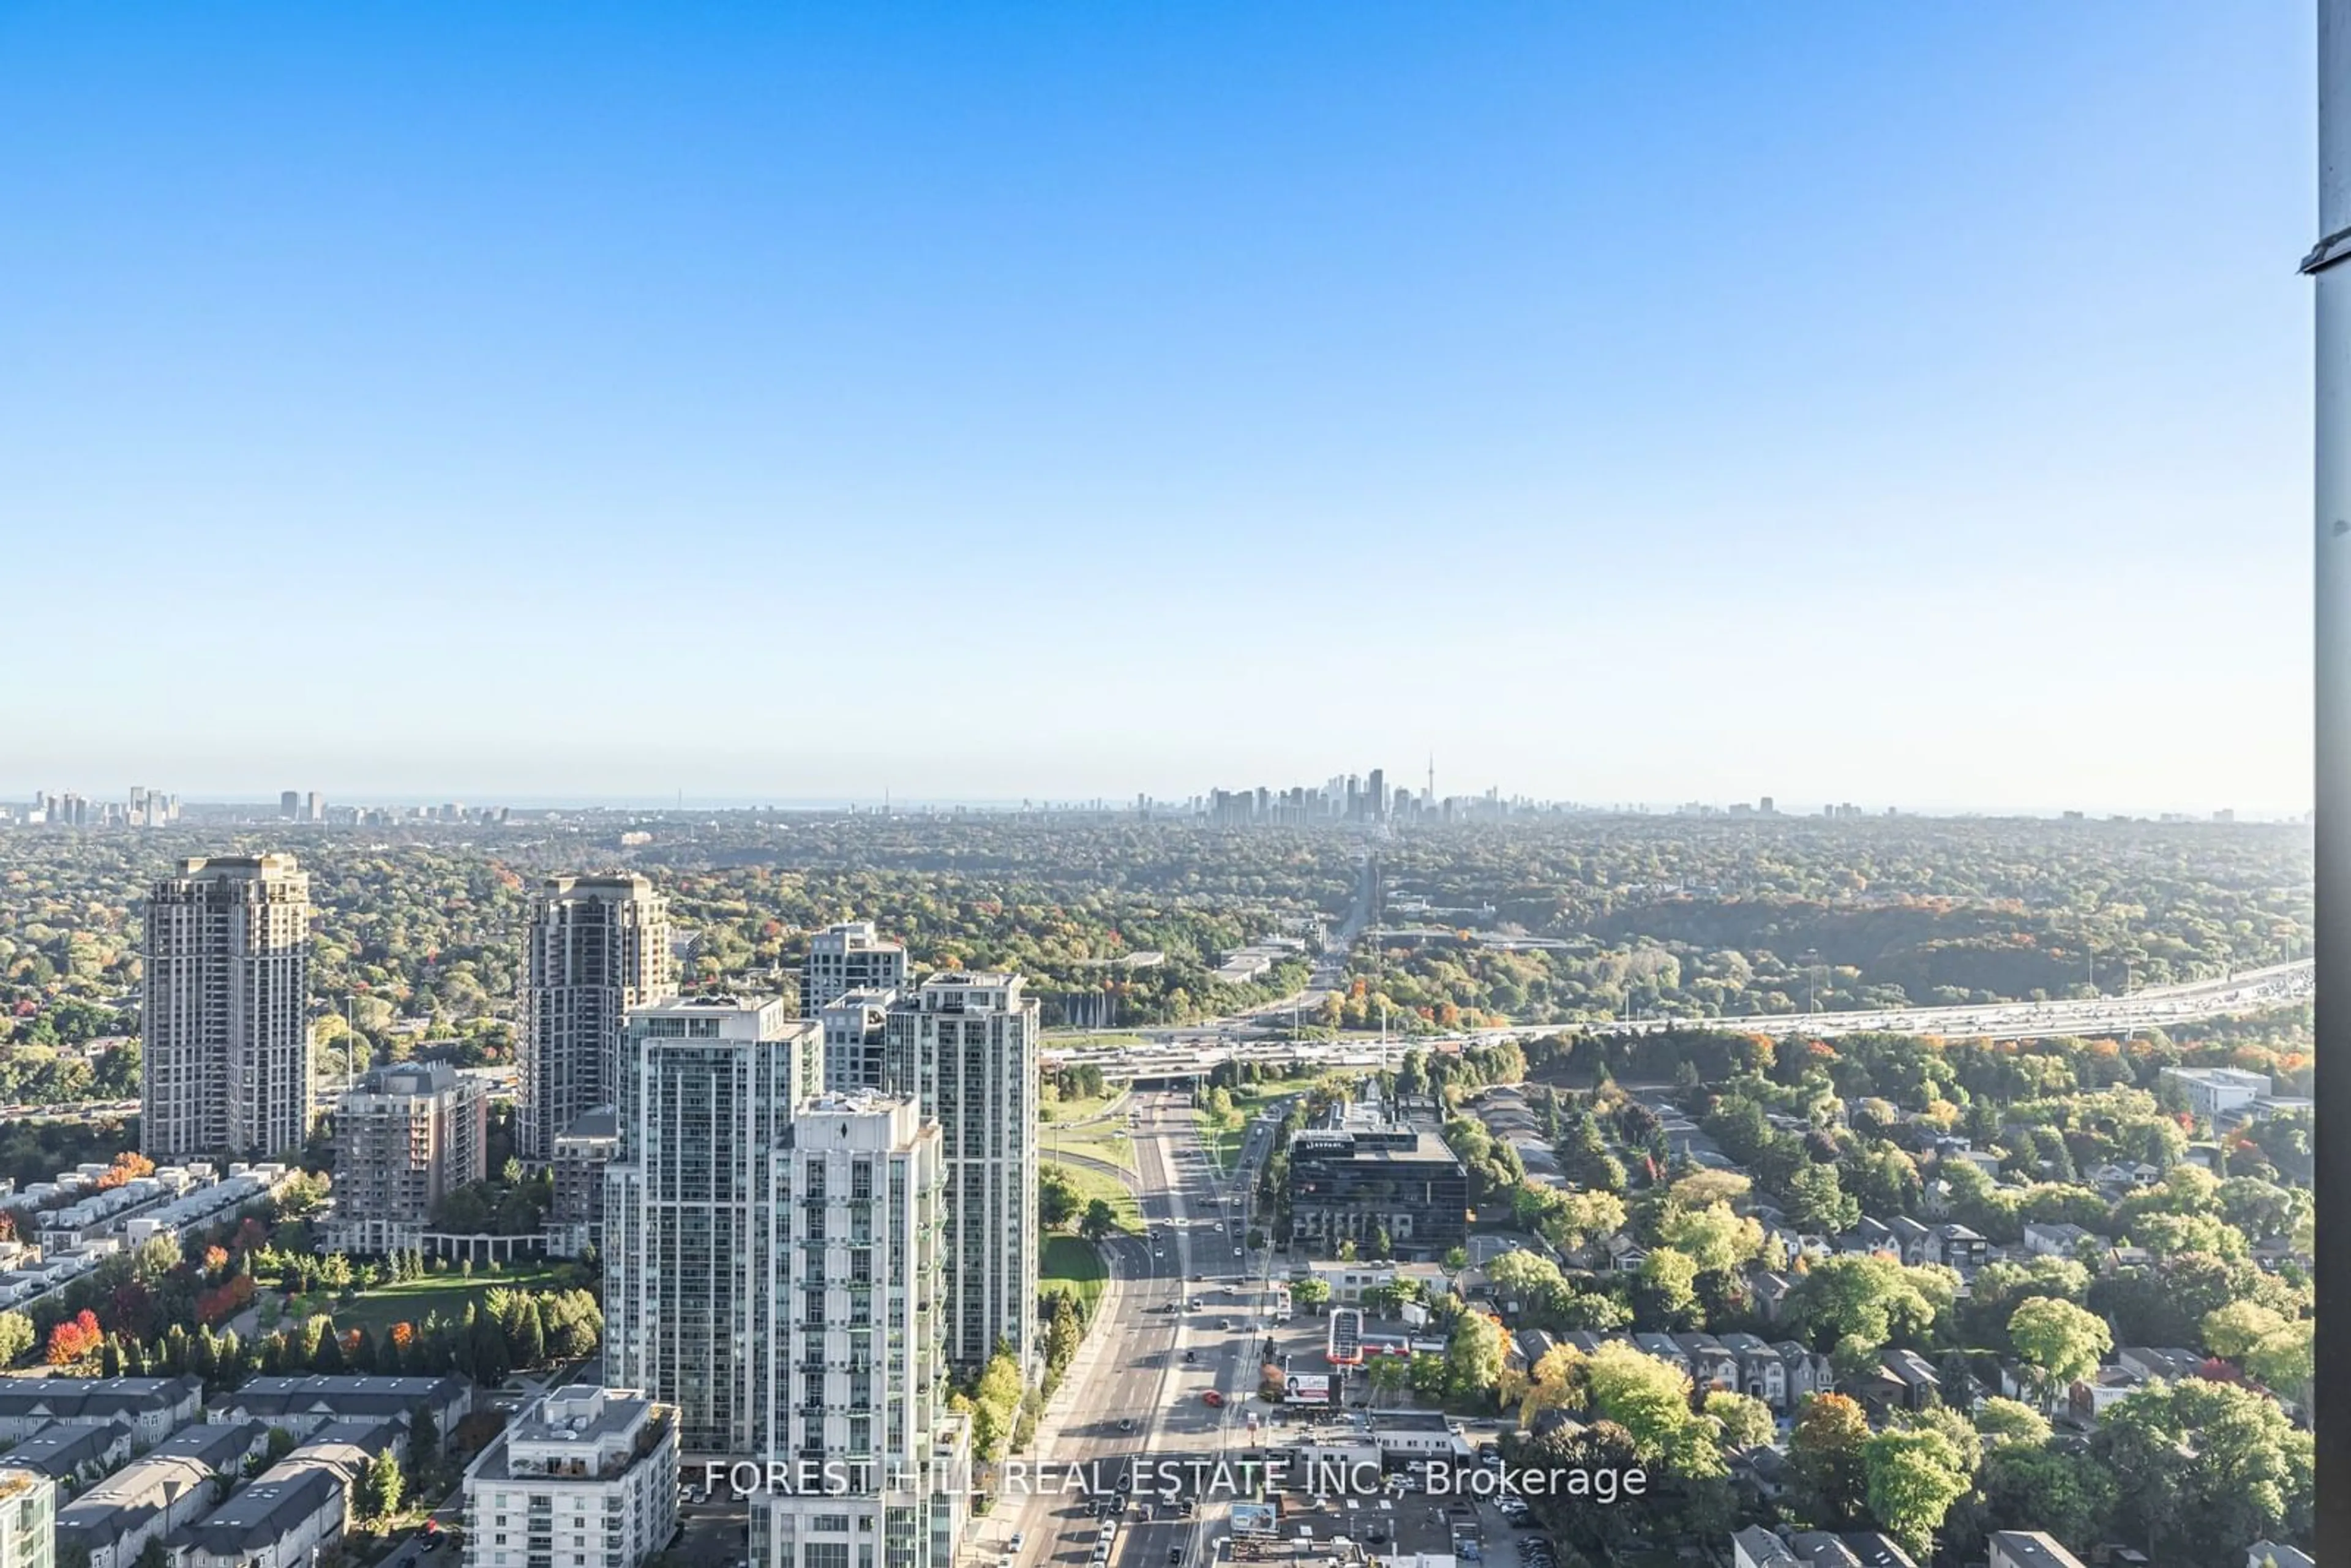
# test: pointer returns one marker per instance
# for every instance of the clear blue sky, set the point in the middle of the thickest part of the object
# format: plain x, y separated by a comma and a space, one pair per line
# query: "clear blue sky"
1904, 403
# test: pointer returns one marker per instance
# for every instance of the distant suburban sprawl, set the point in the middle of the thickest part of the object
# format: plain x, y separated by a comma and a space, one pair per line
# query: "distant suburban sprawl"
1347, 1173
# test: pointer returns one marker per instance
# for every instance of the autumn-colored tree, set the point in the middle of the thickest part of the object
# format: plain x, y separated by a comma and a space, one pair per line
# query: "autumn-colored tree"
128, 1167
76, 1338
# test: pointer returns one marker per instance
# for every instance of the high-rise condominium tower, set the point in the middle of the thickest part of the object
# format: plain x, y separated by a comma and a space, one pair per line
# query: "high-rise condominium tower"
697, 1213
850, 957
854, 1316
855, 1025
964, 1046
225, 1038
773, 1263
598, 946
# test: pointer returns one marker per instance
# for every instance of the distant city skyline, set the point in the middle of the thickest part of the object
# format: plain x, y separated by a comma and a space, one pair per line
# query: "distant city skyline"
1629, 406
478, 801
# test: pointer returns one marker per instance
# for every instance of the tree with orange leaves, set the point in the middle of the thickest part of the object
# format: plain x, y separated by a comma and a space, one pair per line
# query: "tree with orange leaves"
76, 1338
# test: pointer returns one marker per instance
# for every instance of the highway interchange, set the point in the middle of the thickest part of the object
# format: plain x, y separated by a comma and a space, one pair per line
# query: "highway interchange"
1176, 1053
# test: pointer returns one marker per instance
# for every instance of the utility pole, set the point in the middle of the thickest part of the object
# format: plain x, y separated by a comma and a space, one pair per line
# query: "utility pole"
2331, 518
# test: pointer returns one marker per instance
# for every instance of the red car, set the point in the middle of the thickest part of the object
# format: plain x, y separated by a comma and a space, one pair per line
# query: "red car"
1212, 1398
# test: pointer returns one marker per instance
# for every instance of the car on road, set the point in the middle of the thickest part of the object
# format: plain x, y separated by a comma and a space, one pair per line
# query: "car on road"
1213, 1400
1225, 1324
1126, 1423
1020, 1538
1237, 1252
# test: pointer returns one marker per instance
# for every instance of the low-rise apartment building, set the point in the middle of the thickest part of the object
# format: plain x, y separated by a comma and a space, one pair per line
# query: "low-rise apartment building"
585, 1477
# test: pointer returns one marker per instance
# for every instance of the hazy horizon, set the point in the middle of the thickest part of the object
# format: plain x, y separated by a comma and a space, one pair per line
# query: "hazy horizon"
690, 801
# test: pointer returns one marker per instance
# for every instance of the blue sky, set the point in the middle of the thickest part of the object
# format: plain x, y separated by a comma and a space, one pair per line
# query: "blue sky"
1898, 404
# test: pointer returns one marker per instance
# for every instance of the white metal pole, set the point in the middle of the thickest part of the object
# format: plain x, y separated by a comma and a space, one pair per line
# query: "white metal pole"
2332, 672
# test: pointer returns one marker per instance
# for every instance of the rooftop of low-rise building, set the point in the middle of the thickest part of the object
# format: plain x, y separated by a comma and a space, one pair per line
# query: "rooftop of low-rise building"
264, 1512
404, 1081
81, 1397
582, 1432
61, 1450
2031, 1549
1402, 1527
1855, 1548
599, 1125
341, 1395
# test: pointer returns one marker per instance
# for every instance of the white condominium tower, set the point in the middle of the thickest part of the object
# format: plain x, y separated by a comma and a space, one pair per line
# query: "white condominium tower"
861, 1420
850, 957
696, 1216
964, 1046
774, 1255
224, 1035
598, 946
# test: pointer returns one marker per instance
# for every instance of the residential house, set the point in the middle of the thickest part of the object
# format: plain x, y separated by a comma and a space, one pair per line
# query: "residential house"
2171, 1363
2060, 1239
1756, 1547
1761, 1373
1762, 1472
72, 1454
1903, 1380
154, 1496
1772, 1291
2028, 1549
2275, 1555
1665, 1349
1858, 1549
1711, 1363
2113, 1260
1870, 1235
2271, 1251
302, 1405
2091, 1396
1985, 1160
287, 1522
1955, 1245
1808, 1371
149, 1408
1910, 1238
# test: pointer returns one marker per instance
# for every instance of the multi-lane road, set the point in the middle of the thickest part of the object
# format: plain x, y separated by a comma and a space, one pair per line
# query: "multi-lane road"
1155, 1356
1164, 1054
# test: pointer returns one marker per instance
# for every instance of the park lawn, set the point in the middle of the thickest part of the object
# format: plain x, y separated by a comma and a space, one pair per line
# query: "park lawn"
1067, 1112
1074, 1262
1225, 1143
1106, 1141
1092, 1183
409, 1301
